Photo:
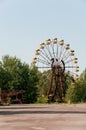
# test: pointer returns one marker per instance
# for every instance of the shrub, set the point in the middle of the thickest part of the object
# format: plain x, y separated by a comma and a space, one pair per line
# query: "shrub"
42, 99
76, 92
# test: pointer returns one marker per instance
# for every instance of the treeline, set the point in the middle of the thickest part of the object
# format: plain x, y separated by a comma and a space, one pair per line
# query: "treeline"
16, 77
77, 91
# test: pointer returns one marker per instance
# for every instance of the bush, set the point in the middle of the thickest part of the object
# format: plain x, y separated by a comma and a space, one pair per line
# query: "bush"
42, 99
76, 92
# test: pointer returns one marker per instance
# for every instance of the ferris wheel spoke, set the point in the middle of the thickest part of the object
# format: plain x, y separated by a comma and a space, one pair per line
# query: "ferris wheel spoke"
48, 50
71, 72
66, 56
44, 57
44, 67
45, 54
64, 53
61, 52
42, 61
52, 46
69, 61
57, 50
70, 66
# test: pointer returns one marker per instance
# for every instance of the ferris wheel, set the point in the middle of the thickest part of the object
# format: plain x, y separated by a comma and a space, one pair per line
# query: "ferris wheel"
56, 56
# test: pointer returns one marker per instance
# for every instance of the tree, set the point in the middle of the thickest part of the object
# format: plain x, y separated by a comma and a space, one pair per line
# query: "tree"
83, 76
44, 83
32, 90
77, 91
16, 76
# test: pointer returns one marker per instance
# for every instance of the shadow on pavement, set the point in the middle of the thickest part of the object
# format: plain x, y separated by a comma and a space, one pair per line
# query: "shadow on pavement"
3, 108
41, 112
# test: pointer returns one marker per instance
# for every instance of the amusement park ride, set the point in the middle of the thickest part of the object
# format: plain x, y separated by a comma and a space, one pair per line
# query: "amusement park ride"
57, 57
4, 96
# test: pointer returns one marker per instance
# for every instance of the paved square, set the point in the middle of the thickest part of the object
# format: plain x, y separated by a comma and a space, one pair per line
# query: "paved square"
43, 117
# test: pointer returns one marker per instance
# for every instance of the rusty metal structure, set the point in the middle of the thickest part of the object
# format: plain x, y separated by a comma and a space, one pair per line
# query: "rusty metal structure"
4, 96
56, 56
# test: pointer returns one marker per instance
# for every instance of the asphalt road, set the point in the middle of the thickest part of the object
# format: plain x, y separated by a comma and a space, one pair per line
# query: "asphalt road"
43, 117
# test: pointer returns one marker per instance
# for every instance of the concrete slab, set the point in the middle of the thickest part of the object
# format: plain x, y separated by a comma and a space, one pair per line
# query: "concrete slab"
43, 117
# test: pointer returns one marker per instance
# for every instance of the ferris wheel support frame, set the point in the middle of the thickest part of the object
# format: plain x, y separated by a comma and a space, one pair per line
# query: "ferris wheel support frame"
59, 62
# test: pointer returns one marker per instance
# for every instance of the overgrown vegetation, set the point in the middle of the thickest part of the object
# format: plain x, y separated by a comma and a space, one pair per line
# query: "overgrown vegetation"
77, 91
16, 76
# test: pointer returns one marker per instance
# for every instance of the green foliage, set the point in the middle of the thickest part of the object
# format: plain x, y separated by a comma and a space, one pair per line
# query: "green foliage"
71, 94
42, 99
45, 79
7, 102
68, 79
32, 90
16, 76
77, 92
83, 76
44, 83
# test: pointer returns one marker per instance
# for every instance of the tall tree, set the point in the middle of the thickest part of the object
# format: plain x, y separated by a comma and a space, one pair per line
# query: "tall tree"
16, 76
77, 91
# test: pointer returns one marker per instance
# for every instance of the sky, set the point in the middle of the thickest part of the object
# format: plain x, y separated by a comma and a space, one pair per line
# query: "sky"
26, 23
